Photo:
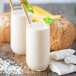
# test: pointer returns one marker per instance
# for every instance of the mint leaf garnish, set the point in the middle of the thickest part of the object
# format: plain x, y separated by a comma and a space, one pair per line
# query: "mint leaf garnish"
28, 8
48, 20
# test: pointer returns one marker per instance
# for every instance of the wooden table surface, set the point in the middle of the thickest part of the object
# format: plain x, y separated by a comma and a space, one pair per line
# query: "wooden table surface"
67, 10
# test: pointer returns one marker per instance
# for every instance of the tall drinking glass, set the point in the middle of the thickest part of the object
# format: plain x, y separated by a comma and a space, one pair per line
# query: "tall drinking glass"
37, 46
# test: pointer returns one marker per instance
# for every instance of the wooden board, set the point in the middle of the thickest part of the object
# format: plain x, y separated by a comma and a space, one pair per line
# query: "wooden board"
6, 53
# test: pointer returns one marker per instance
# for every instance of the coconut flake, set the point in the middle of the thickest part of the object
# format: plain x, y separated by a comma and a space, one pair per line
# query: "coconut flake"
8, 69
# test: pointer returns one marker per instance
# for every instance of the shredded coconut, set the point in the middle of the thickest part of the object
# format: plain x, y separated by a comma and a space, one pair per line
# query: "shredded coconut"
8, 67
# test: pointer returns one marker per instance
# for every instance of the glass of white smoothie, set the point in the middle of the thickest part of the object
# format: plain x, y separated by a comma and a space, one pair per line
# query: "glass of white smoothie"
37, 45
18, 31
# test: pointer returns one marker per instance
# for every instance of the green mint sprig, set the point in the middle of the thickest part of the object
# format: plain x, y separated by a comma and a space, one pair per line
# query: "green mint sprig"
48, 20
28, 8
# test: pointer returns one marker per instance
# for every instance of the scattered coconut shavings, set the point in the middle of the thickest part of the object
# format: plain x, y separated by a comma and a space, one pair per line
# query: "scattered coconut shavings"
8, 67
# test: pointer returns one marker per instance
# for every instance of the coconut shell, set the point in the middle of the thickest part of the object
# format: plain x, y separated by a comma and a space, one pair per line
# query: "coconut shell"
62, 34
5, 27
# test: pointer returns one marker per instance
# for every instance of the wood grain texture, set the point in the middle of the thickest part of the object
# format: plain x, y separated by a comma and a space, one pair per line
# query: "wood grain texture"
52, 74
6, 53
72, 74
22, 59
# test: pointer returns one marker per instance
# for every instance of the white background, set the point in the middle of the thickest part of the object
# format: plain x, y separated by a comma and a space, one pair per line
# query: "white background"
44, 1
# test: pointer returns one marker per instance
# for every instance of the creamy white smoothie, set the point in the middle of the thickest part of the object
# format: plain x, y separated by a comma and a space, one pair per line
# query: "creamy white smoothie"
37, 46
18, 31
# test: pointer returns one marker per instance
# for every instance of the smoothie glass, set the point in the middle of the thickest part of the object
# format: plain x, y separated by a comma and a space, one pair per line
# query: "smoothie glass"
18, 31
37, 45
